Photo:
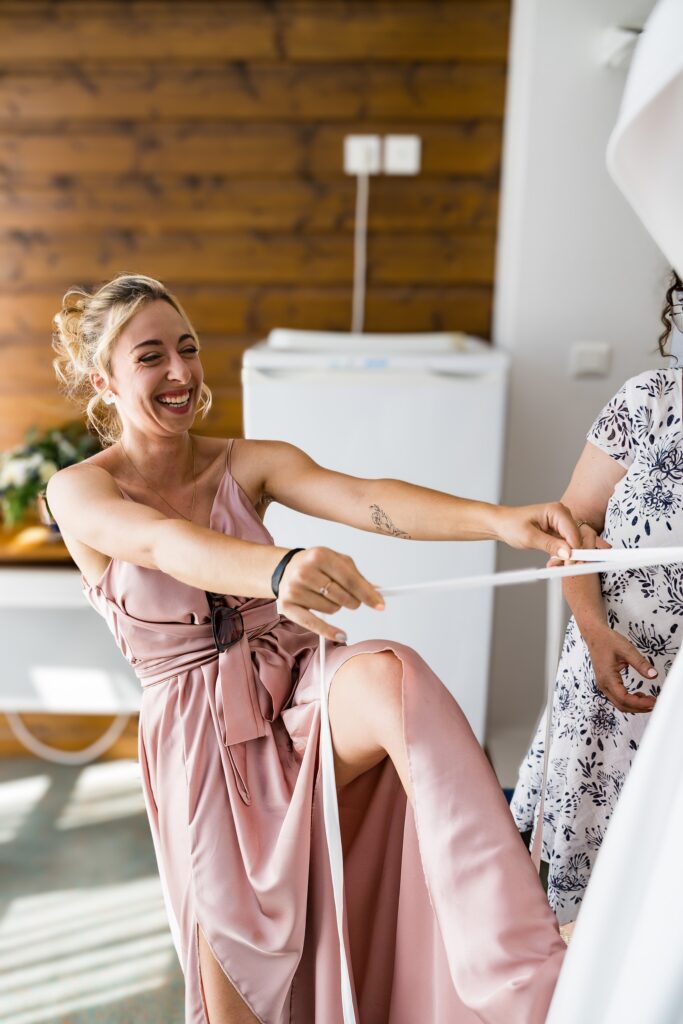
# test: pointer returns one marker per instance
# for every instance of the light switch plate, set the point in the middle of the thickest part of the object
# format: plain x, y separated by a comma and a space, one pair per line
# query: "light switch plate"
401, 154
362, 154
590, 359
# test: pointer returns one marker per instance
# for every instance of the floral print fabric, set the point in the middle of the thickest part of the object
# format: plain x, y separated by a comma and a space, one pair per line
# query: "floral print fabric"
593, 744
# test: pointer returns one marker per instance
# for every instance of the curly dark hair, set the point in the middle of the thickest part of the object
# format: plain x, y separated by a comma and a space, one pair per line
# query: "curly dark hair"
675, 285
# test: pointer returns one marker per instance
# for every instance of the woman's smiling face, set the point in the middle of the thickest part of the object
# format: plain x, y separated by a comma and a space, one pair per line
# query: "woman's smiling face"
156, 371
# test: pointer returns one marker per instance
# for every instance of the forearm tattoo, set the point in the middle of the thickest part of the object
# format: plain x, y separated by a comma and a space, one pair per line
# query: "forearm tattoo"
383, 523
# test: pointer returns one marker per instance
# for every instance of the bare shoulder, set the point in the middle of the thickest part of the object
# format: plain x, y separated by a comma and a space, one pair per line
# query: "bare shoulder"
254, 459
247, 468
96, 522
256, 464
73, 490
252, 450
83, 478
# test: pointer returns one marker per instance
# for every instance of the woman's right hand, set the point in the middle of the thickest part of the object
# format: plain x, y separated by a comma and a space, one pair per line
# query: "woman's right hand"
323, 580
590, 539
610, 654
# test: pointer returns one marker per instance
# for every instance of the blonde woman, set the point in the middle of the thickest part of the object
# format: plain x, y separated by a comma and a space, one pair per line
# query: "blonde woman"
446, 918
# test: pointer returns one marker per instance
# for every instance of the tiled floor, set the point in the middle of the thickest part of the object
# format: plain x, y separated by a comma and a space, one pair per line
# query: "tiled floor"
83, 931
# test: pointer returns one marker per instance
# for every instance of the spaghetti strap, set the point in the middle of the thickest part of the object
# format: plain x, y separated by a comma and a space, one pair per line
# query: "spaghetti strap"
228, 454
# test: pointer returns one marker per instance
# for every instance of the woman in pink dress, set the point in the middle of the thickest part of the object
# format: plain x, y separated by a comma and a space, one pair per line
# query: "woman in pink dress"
445, 918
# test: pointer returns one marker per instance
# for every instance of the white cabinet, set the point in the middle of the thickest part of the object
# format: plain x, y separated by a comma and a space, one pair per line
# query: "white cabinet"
429, 409
57, 653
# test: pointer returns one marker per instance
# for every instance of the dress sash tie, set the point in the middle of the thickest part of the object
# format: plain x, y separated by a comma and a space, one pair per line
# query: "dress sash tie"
238, 709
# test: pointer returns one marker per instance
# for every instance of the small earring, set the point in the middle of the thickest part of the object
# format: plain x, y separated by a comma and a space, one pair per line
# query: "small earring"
108, 398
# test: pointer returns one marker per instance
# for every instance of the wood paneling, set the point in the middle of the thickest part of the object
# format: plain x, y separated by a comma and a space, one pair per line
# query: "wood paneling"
235, 316
209, 205
66, 156
341, 92
201, 142
191, 258
301, 32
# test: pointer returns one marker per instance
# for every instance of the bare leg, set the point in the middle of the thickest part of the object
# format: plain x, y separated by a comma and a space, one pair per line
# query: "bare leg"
366, 717
223, 1004
500, 937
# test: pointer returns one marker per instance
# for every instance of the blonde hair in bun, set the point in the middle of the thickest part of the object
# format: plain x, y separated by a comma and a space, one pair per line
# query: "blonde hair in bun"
84, 334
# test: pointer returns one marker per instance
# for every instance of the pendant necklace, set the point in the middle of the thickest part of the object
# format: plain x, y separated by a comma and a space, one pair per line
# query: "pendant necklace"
194, 482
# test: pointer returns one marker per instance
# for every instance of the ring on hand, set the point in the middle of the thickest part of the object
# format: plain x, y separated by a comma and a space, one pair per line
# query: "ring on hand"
323, 590
582, 522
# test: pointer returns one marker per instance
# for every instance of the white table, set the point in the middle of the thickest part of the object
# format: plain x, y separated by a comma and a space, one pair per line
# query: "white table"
58, 654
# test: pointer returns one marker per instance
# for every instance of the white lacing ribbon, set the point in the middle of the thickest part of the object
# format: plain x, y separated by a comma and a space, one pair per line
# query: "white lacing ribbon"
601, 560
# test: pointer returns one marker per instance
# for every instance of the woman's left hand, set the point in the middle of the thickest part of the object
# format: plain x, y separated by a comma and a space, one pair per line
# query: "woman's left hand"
550, 528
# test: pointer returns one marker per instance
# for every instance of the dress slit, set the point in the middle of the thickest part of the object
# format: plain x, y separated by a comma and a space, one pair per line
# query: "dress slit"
200, 976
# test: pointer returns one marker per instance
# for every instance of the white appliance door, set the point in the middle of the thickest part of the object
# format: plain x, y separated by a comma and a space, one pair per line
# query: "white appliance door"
434, 429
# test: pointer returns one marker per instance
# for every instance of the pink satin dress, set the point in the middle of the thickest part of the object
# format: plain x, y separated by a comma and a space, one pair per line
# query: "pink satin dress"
446, 920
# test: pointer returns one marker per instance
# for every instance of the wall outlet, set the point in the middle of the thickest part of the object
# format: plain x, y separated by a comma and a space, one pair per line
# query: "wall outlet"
590, 359
362, 154
401, 154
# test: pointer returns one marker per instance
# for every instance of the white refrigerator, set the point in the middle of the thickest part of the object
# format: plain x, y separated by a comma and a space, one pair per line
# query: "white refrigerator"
426, 408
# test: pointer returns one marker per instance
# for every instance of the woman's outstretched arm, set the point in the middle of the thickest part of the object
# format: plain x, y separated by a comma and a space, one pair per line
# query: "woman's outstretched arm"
404, 510
88, 506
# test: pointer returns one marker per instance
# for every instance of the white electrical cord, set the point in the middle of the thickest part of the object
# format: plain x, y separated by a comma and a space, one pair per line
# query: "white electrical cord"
360, 246
602, 561
70, 757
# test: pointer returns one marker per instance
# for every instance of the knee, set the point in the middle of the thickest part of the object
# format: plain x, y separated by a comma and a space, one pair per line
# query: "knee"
372, 683
401, 677
384, 674
383, 692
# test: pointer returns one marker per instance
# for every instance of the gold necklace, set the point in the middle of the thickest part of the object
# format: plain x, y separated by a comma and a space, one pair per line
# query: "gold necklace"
194, 482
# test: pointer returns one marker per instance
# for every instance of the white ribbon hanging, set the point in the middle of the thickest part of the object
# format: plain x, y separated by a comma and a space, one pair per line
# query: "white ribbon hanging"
601, 560
333, 835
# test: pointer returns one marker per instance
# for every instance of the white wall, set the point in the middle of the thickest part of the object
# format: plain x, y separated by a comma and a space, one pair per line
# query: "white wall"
574, 264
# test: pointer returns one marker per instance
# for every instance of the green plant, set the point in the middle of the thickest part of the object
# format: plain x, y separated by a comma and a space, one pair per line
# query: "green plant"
26, 469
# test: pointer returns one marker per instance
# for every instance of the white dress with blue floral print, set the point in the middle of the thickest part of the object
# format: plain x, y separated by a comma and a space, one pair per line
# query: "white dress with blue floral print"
593, 744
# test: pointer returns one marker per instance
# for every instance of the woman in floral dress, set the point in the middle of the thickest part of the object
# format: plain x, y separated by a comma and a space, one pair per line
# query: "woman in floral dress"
624, 632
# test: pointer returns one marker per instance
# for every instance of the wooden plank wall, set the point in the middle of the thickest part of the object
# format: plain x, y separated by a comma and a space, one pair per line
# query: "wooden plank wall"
201, 142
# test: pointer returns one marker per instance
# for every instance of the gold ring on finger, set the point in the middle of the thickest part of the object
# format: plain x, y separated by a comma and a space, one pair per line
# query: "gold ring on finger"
581, 522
